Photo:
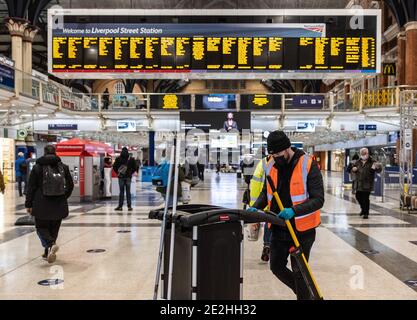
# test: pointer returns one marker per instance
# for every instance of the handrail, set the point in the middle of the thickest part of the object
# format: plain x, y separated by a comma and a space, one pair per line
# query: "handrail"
62, 97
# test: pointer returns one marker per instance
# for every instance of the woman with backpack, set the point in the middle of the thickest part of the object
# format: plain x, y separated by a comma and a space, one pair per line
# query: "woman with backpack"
50, 185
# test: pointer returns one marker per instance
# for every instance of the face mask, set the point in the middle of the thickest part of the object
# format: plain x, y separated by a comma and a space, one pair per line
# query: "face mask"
280, 161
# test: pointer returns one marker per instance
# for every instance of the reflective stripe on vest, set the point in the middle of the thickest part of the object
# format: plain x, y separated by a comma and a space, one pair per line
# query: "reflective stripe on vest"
298, 191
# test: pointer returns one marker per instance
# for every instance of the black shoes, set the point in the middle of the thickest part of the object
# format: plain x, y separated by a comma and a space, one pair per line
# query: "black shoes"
118, 209
361, 214
129, 208
265, 254
365, 216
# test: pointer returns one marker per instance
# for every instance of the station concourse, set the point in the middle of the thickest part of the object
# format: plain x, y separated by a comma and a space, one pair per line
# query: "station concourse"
175, 105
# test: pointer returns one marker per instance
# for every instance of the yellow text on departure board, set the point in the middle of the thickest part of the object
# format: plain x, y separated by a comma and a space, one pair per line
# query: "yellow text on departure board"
353, 50
320, 52
135, 47
56, 44
103, 46
198, 48
73, 44
274, 47
368, 52
243, 52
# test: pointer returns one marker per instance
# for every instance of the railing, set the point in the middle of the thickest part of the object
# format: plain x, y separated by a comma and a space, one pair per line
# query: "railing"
55, 94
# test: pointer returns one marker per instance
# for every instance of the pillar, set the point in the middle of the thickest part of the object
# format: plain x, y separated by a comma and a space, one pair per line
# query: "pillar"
16, 28
28, 36
151, 152
410, 53
401, 58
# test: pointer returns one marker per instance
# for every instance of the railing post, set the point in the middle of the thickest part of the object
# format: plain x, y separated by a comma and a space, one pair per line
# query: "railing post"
40, 92
361, 101
59, 99
331, 101
99, 102
193, 102
397, 97
148, 103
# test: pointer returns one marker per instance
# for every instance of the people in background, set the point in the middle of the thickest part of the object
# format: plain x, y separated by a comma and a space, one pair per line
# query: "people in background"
353, 175
30, 163
125, 167
365, 170
2, 184
106, 99
50, 185
20, 172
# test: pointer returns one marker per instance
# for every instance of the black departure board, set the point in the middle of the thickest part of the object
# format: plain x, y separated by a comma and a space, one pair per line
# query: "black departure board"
214, 53
303, 44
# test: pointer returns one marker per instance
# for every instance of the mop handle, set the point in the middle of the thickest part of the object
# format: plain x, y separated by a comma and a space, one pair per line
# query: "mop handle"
163, 227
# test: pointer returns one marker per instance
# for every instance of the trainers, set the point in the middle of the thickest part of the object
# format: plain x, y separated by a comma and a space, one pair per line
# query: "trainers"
118, 209
129, 208
265, 254
52, 253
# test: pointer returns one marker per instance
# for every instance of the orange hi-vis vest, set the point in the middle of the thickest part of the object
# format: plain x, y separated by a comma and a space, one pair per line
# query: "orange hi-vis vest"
298, 191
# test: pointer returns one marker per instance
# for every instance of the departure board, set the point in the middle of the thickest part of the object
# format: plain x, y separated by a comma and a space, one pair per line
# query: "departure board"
192, 49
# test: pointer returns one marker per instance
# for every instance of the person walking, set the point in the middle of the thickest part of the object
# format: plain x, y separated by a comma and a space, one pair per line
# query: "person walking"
50, 185
2, 184
125, 166
365, 170
20, 169
299, 184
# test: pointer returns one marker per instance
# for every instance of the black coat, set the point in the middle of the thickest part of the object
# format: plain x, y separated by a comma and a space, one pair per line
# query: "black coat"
365, 175
131, 165
47, 208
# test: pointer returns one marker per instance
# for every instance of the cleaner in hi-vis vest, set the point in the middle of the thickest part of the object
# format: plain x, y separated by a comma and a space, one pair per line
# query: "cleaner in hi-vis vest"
299, 184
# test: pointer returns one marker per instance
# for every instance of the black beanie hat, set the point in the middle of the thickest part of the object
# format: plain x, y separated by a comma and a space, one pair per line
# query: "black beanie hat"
277, 141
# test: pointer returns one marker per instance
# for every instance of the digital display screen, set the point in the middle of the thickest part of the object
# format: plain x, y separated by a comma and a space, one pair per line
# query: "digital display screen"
215, 101
260, 101
215, 121
171, 102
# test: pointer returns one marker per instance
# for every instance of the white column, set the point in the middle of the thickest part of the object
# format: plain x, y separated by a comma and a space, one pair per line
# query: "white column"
28, 36
16, 28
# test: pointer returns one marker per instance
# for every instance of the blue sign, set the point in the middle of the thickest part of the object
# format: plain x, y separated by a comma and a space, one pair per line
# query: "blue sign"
6, 73
63, 126
308, 102
367, 127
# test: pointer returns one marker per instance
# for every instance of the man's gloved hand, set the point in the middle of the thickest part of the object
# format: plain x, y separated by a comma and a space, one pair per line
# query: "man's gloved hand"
286, 214
251, 209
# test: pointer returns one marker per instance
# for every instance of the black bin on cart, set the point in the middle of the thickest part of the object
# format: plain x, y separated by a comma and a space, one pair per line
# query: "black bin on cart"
208, 251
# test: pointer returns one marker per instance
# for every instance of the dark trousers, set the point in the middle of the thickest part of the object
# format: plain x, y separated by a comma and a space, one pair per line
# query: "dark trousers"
363, 199
20, 180
47, 231
124, 184
279, 258
201, 172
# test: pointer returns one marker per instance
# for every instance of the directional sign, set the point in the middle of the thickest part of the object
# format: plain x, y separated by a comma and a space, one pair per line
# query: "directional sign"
408, 139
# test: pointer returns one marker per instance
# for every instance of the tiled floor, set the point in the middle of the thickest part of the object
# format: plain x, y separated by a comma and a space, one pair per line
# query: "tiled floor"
342, 257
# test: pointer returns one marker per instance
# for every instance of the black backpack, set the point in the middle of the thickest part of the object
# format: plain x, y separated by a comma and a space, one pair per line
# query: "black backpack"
53, 180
